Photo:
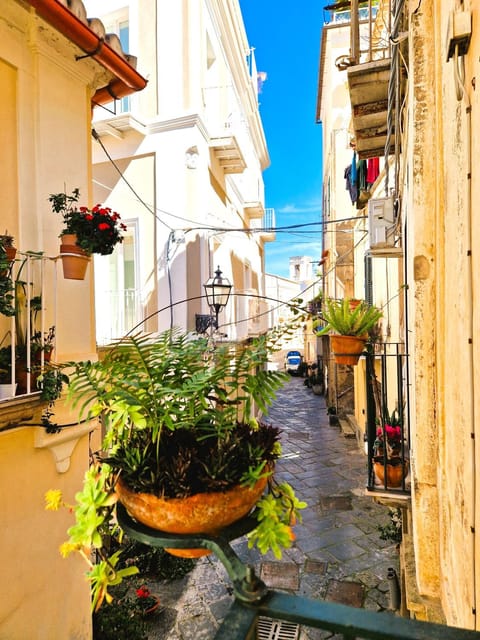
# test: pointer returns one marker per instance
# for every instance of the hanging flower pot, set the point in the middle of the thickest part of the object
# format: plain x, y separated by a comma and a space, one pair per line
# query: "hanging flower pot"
202, 513
347, 349
74, 259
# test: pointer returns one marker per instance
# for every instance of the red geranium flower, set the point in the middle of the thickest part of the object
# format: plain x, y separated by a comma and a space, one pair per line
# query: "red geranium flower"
98, 229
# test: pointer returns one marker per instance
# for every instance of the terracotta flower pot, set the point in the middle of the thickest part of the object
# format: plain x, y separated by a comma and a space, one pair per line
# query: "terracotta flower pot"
74, 259
347, 349
396, 471
206, 513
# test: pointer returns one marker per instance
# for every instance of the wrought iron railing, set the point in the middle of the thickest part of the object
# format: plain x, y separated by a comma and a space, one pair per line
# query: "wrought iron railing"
27, 333
254, 600
387, 418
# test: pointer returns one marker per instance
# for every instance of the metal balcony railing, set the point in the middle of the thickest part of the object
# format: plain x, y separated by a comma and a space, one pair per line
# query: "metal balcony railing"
27, 328
268, 222
117, 312
387, 418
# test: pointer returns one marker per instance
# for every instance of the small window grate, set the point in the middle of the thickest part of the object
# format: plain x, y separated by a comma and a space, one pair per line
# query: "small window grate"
269, 629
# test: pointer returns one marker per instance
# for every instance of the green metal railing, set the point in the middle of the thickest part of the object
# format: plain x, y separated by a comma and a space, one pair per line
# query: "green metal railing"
254, 599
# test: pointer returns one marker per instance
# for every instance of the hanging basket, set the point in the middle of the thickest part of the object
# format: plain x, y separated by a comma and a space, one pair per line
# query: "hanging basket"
347, 349
74, 259
202, 513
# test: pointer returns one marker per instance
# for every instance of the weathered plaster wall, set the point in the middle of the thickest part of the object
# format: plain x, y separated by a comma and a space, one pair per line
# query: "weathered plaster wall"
48, 150
421, 237
444, 405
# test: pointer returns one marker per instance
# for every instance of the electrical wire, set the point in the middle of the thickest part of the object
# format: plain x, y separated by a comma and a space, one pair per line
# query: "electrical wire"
120, 173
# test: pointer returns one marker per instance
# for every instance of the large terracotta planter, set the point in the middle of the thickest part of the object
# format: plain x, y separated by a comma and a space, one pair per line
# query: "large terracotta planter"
206, 513
347, 349
396, 472
74, 259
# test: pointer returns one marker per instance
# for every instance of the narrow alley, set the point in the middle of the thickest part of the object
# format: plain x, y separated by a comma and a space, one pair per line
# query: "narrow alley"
338, 554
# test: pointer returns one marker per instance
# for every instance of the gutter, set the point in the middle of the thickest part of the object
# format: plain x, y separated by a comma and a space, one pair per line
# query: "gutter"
127, 79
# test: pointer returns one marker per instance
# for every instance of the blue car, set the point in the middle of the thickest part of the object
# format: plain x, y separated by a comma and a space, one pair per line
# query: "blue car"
293, 360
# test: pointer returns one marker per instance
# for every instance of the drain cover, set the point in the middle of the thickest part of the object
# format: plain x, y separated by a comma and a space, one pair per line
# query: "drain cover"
280, 575
350, 593
269, 629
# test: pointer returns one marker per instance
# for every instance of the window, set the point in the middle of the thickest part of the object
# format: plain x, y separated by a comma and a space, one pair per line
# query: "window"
117, 294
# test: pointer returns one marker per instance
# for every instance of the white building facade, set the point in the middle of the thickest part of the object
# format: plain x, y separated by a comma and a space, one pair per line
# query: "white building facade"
182, 164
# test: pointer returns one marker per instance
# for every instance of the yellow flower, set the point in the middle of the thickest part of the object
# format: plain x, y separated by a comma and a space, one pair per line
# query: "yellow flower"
53, 500
66, 549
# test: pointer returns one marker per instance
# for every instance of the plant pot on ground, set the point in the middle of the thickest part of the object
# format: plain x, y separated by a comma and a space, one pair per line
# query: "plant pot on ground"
332, 415
179, 423
348, 328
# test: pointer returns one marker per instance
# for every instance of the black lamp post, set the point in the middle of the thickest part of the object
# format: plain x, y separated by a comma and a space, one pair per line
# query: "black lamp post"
217, 290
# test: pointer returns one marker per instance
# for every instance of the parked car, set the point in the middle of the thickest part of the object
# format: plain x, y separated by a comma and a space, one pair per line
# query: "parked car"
293, 360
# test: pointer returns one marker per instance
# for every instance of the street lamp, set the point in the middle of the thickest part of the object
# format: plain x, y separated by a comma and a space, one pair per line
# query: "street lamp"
217, 290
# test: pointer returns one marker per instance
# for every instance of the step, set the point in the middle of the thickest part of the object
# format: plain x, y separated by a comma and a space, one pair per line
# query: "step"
346, 427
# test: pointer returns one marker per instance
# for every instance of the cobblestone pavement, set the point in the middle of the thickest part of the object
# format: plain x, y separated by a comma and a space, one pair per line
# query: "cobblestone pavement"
337, 555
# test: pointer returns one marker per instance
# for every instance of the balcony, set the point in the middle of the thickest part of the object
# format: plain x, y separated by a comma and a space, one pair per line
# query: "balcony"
265, 225
27, 327
375, 79
387, 420
254, 210
226, 150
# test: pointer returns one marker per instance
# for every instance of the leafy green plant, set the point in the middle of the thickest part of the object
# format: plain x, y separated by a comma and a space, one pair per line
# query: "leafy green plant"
179, 420
94, 527
153, 561
119, 620
50, 382
393, 529
344, 320
7, 295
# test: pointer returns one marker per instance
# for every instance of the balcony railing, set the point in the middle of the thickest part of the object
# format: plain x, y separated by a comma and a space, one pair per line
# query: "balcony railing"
387, 418
117, 313
27, 331
254, 600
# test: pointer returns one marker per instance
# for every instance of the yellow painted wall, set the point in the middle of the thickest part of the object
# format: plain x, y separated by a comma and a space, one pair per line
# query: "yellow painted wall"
45, 148
43, 596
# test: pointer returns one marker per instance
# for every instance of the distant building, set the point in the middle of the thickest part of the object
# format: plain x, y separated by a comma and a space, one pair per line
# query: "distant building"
301, 268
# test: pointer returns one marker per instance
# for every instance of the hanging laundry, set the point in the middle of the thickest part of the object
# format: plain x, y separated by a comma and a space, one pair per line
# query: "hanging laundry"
363, 191
373, 170
354, 168
362, 175
350, 184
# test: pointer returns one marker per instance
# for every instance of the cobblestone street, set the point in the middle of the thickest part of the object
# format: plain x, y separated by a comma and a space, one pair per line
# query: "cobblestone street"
337, 555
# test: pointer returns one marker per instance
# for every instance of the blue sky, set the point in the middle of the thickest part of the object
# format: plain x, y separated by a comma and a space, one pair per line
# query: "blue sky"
286, 37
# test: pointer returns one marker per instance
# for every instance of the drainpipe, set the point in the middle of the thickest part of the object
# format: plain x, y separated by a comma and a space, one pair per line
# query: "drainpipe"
394, 589
127, 79
462, 94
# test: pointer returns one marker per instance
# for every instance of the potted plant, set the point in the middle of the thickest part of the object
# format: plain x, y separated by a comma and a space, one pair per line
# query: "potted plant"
7, 252
388, 460
7, 294
332, 415
86, 231
7, 388
316, 380
42, 345
350, 328
180, 429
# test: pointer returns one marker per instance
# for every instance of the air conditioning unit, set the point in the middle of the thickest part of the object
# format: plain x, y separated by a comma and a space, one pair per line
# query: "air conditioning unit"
381, 222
